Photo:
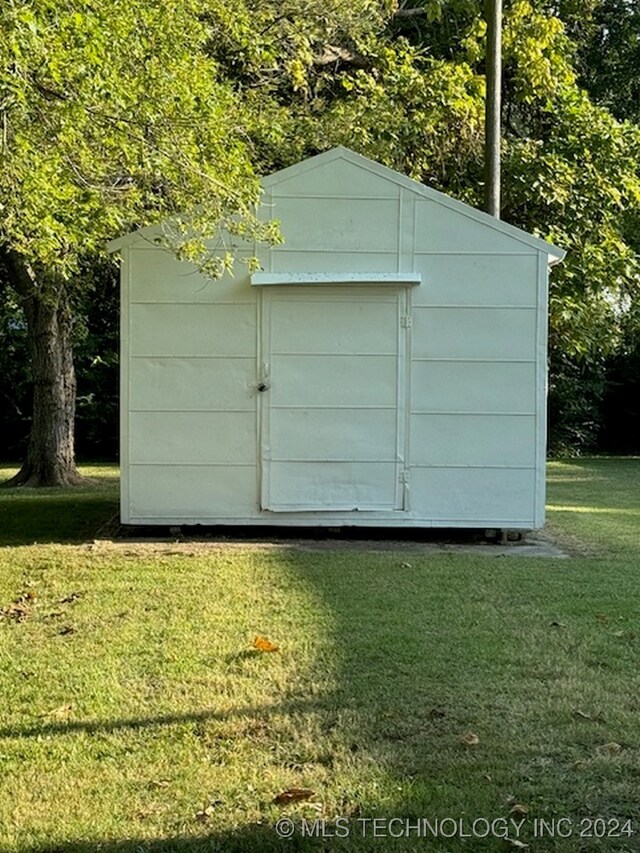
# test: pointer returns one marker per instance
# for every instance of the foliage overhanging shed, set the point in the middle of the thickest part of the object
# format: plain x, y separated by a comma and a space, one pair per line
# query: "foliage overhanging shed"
387, 367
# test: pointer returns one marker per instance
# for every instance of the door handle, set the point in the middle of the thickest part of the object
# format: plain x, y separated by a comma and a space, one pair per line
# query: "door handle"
263, 386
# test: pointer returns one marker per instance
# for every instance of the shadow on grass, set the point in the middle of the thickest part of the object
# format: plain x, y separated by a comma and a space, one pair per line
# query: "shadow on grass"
254, 838
38, 516
426, 652
67, 727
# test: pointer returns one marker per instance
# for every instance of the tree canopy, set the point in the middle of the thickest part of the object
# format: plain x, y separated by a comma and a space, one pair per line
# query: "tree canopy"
112, 115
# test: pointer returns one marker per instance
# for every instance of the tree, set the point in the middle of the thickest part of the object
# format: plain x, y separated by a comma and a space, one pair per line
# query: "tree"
112, 115
607, 34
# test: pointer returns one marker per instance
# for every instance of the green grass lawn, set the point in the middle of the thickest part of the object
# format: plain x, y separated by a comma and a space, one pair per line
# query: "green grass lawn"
137, 718
58, 515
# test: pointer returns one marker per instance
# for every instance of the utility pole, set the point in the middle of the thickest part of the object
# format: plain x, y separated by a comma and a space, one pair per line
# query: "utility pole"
493, 15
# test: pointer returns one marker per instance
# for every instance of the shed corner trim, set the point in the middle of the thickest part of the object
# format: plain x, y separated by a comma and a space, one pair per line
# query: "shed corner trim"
261, 279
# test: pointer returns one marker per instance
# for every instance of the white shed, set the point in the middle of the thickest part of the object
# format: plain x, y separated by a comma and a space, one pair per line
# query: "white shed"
386, 368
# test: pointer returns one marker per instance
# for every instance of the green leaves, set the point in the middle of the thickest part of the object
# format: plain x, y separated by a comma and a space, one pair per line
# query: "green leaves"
115, 117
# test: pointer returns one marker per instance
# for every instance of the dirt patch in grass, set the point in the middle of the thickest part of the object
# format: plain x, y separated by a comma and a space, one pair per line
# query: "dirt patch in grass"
190, 542
569, 543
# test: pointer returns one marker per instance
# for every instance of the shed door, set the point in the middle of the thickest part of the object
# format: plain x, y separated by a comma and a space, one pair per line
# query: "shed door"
333, 422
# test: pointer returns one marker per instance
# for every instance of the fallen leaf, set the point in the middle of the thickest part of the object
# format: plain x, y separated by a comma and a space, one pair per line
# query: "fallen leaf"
262, 644
602, 617
59, 713
68, 629
557, 624
21, 608
471, 739
204, 815
406, 565
519, 809
159, 783
611, 748
630, 634
437, 714
516, 844
580, 715
71, 598
487, 777
17, 611
293, 795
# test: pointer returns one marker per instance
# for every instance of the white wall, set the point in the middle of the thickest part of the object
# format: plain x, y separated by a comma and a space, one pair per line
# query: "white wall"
474, 443
189, 428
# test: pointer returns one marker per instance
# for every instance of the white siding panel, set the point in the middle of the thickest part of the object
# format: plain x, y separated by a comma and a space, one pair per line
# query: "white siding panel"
334, 486
440, 229
286, 260
192, 383
192, 492
323, 434
341, 179
496, 495
225, 330
343, 225
473, 387
309, 326
473, 440
452, 279
186, 438
158, 276
474, 333
335, 380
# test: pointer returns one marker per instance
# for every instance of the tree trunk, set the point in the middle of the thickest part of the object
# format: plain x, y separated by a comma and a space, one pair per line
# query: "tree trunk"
50, 459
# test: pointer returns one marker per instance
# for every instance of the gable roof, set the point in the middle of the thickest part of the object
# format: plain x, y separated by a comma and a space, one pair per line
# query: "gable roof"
460, 207
341, 153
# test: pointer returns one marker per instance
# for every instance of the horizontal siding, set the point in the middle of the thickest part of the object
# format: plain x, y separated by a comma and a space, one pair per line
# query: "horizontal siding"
309, 375
189, 438
474, 333
192, 384
332, 485
317, 434
158, 276
476, 440
308, 326
487, 280
440, 229
192, 491
285, 259
341, 179
348, 225
163, 329
473, 387
500, 495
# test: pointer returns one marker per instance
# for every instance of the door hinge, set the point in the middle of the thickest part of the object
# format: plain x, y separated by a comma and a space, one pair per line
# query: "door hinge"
405, 321
403, 477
